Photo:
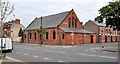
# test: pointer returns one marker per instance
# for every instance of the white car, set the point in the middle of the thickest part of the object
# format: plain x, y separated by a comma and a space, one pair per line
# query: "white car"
7, 45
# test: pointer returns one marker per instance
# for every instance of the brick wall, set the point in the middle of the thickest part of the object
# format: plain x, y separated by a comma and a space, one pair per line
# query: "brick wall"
71, 14
8, 27
77, 38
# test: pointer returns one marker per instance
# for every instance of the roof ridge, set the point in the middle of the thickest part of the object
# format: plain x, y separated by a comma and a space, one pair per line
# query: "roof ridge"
54, 14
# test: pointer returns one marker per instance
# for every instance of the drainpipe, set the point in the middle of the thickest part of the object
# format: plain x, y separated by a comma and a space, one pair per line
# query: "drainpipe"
57, 35
98, 35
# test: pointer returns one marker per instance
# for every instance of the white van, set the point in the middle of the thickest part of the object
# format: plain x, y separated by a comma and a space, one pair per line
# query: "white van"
7, 45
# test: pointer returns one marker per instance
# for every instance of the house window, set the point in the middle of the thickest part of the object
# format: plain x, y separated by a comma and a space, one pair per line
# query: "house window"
109, 30
35, 35
30, 35
106, 31
75, 23
53, 34
100, 30
69, 22
63, 36
46, 35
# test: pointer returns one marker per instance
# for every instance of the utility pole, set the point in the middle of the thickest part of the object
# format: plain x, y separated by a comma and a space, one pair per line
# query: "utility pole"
1, 22
41, 20
72, 34
84, 35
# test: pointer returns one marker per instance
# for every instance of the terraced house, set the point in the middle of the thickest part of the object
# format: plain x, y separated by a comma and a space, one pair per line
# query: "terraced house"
59, 28
11, 29
100, 29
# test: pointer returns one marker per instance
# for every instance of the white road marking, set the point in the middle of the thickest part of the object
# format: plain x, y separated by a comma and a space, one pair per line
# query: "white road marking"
26, 54
14, 59
109, 52
91, 55
47, 58
60, 61
82, 54
36, 56
30, 48
107, 57
55, 51
93, 50
86, 50
96, 56
18, 52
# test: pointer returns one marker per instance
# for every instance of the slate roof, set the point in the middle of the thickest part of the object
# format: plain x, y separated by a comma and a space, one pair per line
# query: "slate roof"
99, 24
48, 21
76, 30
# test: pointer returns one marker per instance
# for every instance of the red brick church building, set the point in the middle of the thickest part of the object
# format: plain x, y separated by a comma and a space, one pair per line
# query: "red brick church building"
59, 28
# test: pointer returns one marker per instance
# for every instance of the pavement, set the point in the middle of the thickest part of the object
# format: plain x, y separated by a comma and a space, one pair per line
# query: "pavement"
107, 49
62, 53
9, 60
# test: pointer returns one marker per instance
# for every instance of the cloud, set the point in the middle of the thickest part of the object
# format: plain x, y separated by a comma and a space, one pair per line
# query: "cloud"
27, 10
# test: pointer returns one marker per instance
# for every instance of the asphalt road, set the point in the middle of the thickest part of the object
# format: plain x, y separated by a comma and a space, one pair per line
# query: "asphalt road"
81, 53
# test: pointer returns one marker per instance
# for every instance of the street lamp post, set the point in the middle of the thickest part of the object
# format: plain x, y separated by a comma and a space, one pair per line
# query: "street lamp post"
5, 41
72, 34
26, 33
84, 35
103, 37
1, 40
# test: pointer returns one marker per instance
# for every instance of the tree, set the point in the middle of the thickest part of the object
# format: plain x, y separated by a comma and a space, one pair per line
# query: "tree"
5, 10
40, 31
111, 14
21, 33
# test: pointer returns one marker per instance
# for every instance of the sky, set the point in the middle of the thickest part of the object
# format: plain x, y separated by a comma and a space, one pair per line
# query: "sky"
28, 10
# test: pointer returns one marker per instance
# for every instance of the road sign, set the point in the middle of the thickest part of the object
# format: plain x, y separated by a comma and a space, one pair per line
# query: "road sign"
26, 32
72, 34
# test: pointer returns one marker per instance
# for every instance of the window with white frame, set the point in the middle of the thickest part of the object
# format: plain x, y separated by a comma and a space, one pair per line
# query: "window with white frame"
106, 30
100, 30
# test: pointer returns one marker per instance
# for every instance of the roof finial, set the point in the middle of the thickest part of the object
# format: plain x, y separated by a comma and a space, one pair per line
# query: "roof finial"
72, 9
41, 20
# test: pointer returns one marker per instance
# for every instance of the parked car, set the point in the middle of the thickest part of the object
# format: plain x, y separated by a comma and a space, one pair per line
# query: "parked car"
7, 45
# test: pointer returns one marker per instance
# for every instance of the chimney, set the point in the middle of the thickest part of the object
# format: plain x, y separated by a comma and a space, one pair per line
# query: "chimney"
12, 21
17, 21
95, 19
9, 21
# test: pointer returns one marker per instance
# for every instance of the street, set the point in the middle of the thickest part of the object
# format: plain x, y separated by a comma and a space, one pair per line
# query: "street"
83, 53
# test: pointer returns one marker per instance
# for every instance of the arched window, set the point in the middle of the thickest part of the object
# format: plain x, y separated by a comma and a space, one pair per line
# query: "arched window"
46, 35
63, 36
69, 22
35, 35
75, 23
53, 34
72, 21
30, 35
